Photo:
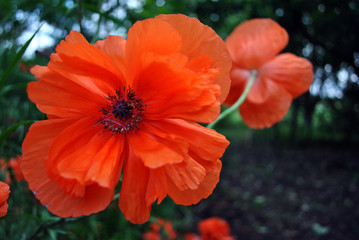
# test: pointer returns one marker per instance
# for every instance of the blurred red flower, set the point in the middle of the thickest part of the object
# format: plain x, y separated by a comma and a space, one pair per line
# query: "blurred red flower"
128, 106
191, 236
213, 228
160, 230
14, 163
4, 195
4, 171
254, 45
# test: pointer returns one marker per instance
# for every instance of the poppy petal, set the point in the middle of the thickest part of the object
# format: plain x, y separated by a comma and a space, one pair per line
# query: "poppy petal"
150, 35
60, 96
271, 108
186, 175
156, 151
114, 47
203, 143
176, 92
132, 200
255, 42
4, 194
192, 196
83, 153
171, 152
293, 73
200, 40
76, 57
35, 150
157, 186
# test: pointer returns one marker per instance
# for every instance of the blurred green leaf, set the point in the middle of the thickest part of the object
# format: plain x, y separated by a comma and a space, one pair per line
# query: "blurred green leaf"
16, 59
7, 132
102, 14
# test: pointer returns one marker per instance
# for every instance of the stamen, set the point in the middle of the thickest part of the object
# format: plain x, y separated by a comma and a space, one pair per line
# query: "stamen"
123, 114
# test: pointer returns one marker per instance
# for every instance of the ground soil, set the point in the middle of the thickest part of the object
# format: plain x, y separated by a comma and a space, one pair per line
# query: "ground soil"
293, 192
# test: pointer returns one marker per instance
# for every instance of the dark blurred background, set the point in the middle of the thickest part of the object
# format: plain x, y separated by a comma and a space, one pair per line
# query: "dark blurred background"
296, 180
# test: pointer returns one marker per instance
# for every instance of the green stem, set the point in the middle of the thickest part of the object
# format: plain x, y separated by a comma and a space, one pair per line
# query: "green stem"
116, 197
240, 100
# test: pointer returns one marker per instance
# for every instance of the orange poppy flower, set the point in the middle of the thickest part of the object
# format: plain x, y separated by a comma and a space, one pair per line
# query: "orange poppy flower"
14, 163
4, 194
254, 45
214, 228
131, 107
160, 229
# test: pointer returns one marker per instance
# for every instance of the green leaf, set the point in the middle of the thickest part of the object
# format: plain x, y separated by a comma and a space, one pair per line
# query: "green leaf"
7, 132
16, 59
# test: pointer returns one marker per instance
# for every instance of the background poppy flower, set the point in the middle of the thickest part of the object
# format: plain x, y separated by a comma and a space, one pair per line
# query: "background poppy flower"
14, 163
214, 228
254, 45
4, 194
4, 171
191, 236
131, 107
160, 229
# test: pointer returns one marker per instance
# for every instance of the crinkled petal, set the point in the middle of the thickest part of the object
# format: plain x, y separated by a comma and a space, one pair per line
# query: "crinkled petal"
189, 180
175, 80
132, 200
76, 59
59, 96
192, 196
170, 90
114, 47
35, 149
86, 154
293, 73
204, 147
270, 109
186, 175
157, 150
150, 35
255, 42
200, 40
157, 186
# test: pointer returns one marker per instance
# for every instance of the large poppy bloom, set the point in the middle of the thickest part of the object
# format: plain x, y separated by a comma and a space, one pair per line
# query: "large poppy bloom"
131, 107
254, 45
4, 194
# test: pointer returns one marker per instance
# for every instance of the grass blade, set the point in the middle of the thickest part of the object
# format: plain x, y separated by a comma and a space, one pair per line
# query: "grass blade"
7, 132
16, 59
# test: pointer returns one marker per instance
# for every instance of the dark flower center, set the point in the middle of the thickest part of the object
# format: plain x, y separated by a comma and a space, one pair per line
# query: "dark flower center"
122, 109
123, 114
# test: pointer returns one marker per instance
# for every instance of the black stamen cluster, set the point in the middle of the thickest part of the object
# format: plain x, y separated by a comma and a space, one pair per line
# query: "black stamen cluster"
123, 114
